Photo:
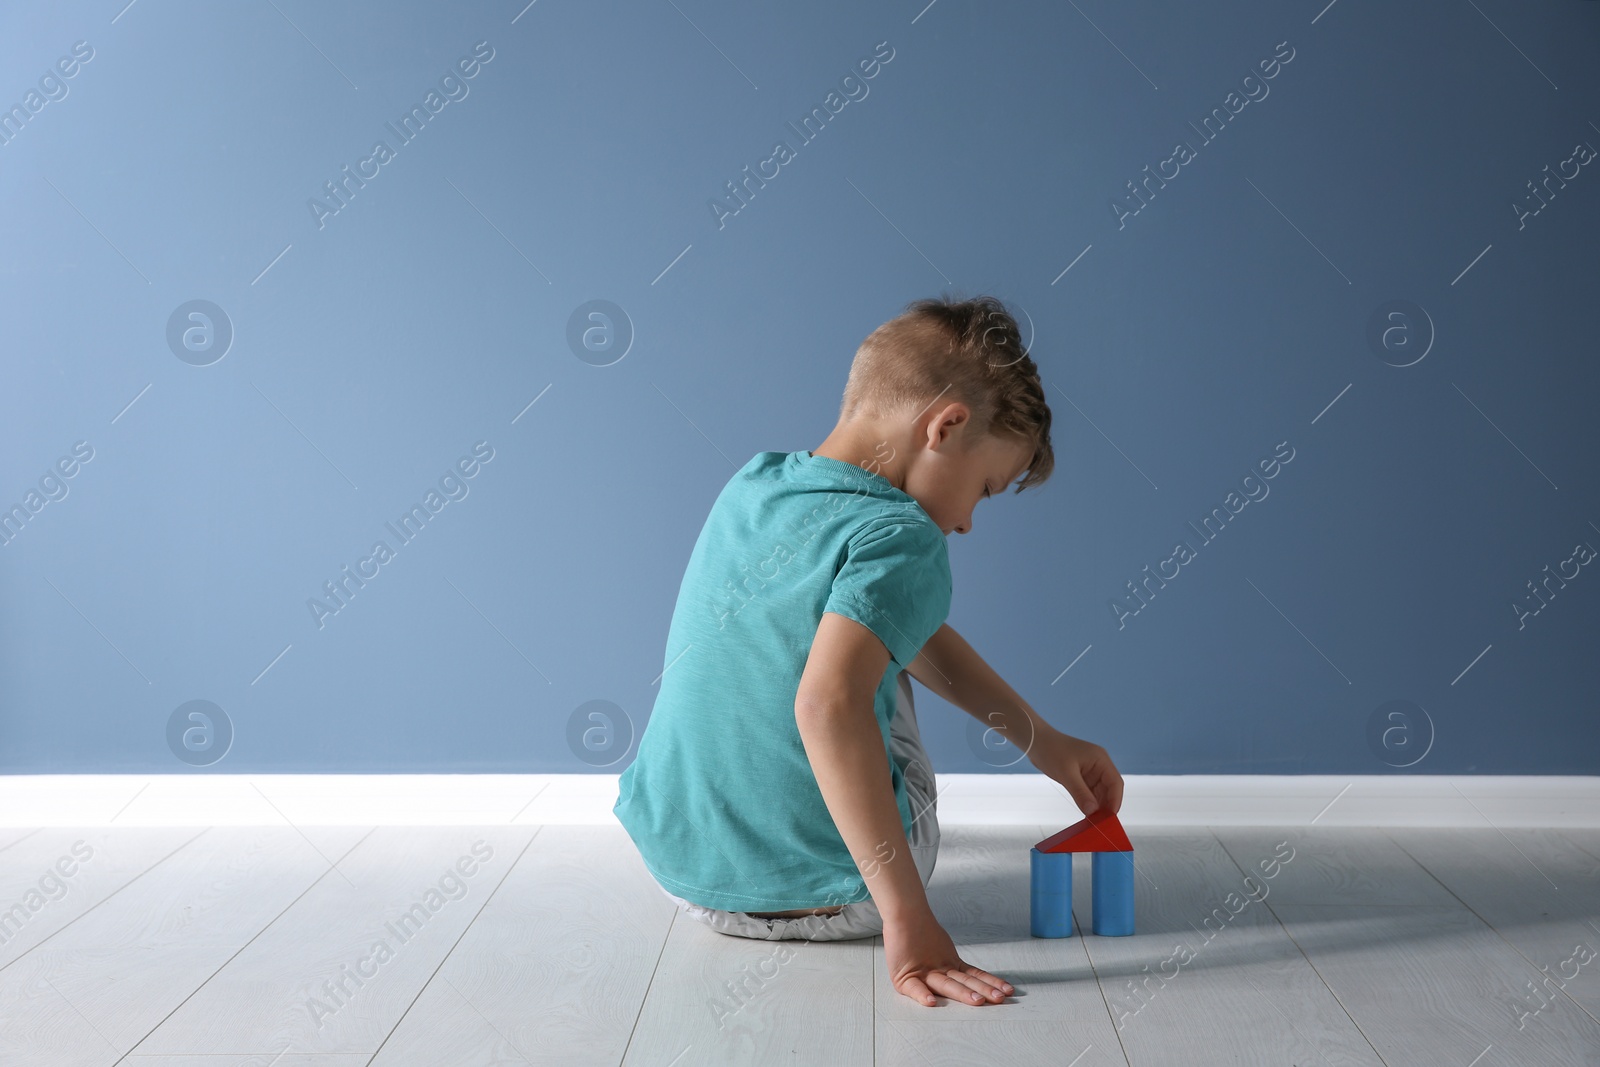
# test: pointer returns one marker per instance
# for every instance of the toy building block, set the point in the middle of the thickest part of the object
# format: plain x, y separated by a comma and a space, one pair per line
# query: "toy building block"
1112, 892
1050, 862
1099, 832
1050, 897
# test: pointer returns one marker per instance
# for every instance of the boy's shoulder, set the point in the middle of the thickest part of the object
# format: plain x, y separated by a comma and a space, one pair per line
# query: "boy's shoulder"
864, 503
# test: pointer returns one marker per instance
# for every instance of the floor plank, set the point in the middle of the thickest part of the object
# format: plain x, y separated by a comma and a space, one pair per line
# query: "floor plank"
1536, 889
1435, 987
1344, 865
1209, 969
337, 970
718, 999
10, 835
49, 879
260, 1059
108, 979
1586, 839
554, 969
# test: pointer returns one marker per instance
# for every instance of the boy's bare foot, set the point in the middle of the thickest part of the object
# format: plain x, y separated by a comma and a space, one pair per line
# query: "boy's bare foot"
836, 909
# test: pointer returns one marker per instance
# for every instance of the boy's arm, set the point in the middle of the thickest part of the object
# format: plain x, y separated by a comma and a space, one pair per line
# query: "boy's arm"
833, 710
950, 667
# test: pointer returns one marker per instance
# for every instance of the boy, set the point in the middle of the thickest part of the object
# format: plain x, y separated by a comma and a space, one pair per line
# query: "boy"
781, 789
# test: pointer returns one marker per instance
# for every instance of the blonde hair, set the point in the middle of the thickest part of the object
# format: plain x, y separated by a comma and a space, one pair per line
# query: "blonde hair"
967, 350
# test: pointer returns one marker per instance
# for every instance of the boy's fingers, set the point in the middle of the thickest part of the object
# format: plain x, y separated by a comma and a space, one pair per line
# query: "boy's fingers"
1106, 789
971, 986
1081, 794
994, 980
986, 984
984, 990
950, 984
917, 990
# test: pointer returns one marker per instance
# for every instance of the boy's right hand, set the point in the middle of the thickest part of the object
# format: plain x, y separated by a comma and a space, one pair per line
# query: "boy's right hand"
922, 961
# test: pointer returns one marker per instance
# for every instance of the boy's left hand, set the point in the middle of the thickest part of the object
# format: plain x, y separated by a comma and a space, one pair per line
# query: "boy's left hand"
1083, 768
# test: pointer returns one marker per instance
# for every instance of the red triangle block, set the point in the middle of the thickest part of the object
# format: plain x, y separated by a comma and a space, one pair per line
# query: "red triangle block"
1100, 832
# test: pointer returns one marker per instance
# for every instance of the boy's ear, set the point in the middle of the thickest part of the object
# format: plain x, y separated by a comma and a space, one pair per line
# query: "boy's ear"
953, 419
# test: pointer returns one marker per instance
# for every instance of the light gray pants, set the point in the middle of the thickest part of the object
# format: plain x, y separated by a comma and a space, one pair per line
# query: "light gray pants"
860, 919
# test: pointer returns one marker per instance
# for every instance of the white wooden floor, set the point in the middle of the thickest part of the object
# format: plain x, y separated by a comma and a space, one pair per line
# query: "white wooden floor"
195, 947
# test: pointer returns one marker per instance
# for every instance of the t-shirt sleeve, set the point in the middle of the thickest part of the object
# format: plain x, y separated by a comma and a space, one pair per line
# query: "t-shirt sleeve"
895, 581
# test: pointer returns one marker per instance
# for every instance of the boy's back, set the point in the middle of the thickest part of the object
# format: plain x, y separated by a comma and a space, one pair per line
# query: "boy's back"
721, 800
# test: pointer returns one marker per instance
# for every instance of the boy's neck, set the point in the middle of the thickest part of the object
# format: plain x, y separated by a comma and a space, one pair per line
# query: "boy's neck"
879, 446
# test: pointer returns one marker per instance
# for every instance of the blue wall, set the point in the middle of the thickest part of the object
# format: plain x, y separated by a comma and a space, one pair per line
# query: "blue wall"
1347, 271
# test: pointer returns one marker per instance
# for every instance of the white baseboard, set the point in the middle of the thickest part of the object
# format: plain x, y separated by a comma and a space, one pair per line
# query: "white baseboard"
964, 799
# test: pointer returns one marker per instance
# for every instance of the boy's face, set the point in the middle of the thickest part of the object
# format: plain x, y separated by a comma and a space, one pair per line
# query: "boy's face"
951, 473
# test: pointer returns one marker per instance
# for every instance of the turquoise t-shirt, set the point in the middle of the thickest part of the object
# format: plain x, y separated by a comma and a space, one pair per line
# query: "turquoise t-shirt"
721, 799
